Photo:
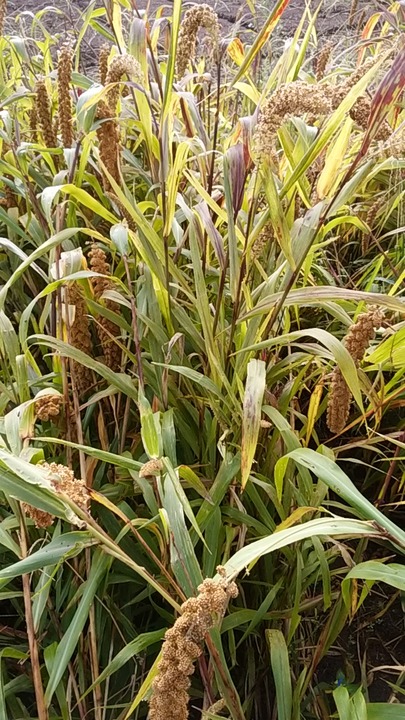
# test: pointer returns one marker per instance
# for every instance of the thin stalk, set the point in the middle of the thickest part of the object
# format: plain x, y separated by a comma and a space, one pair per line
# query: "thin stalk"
213, 150
80, 703
32, 640
111, 547
95, 669
134, 325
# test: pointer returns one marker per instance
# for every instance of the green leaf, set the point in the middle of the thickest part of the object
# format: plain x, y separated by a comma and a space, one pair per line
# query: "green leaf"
151, 431
392, 574
385, 711
65, 546
281, 673
122, 382
136, 646
66, 647
249, 555
331, 474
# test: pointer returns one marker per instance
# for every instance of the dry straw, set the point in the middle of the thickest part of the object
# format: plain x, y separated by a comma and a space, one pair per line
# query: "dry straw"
198, 16
360, 334
106, 329
44, 114
183, 645
63, 481
79, 337
65, 60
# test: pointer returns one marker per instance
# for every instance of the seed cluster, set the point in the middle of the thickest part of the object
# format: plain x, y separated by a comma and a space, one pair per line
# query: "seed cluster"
287, 101
315, 99
80, 338
183, 645
44, 114
322, 60
106, 329
48, 406
63, 482
108, 144
360, 334
103, 63
65, 60
120, 66
198, 16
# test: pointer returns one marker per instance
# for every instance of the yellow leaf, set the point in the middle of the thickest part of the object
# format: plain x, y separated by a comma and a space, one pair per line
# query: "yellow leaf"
313, 410
331, 173
236, 51
294, 517
117, 23
248, 90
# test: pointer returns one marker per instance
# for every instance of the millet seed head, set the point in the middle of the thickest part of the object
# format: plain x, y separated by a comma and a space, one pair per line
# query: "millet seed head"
198, 16
292, 99
65, 60
44, 114
183, 645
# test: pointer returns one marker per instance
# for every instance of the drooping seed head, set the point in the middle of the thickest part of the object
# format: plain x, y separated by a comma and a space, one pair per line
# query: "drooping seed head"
198, 16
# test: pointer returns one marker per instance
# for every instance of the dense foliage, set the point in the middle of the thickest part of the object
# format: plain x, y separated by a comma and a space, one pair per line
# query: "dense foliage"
201, 365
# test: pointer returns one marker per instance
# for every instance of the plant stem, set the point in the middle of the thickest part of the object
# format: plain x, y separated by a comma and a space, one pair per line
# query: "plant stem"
32, 640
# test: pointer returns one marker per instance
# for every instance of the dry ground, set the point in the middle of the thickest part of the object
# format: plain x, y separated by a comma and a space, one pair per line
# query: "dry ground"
333, 18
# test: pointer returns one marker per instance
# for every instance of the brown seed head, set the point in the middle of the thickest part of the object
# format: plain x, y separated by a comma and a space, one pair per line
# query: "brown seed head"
339, 402
65, 60
353, 12
80, 337
106, 329
183, 645
356, 342
33, 120
108, 144
263, 241
41, 519
362, 332
103, 63
123, 210
151, 468
198, 16
44, 114
394, 145
66, 482
322, 60
98, 263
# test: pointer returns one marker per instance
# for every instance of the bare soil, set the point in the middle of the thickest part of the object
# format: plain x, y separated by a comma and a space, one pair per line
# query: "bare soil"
64, 18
